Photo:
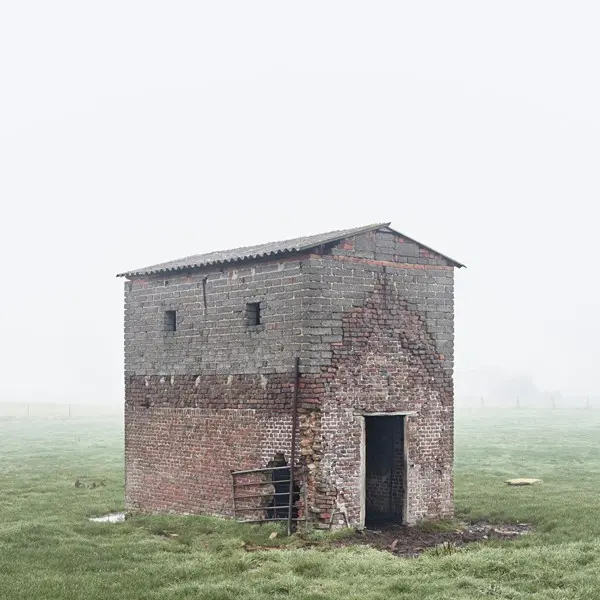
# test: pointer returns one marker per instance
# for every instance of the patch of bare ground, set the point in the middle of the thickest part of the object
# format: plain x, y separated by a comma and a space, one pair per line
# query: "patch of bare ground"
410, 541
400, 540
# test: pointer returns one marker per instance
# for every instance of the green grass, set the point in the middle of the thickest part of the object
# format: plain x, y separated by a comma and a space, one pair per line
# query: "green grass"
49, 550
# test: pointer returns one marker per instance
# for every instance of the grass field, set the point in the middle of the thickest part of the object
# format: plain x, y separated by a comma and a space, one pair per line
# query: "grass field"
48, 548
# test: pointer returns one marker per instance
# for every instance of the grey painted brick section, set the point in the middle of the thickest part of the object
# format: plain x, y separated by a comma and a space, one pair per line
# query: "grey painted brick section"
371, 318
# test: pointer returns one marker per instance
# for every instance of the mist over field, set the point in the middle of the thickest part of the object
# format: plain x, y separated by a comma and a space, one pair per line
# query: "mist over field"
133, 133
171, 131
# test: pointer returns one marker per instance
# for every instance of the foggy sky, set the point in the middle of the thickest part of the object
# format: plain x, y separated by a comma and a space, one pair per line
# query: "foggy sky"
137, 132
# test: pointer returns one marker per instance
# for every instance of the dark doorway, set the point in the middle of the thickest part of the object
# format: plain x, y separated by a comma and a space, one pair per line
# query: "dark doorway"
385, 476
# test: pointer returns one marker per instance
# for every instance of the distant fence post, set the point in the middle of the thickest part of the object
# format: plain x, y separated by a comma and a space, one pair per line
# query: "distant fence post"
482, 402
69, 411
518, 402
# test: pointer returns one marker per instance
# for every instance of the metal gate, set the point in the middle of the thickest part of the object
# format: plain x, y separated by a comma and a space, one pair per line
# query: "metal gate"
265, 495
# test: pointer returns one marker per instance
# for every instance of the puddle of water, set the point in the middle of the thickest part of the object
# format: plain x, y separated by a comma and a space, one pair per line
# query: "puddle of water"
111, 518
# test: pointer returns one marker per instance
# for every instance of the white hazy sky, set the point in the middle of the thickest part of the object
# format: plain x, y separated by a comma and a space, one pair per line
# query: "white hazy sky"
135, 132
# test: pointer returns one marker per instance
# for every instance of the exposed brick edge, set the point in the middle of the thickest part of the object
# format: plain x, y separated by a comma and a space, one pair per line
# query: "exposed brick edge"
382, 263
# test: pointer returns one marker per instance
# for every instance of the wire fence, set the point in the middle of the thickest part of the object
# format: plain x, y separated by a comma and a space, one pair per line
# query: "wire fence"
541, 402
47, 410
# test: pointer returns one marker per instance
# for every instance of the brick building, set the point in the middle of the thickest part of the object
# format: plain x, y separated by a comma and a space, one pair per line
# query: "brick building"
211, 343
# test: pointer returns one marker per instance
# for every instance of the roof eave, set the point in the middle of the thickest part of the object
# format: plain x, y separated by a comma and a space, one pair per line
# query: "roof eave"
212, 263
287, 251
297, 249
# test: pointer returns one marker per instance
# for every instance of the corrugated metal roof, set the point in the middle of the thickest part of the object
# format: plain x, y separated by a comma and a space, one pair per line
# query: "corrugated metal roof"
262, 251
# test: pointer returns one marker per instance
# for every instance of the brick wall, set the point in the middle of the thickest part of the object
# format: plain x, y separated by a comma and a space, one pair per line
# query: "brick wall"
372, 321
179, 459
379, 338
214, 395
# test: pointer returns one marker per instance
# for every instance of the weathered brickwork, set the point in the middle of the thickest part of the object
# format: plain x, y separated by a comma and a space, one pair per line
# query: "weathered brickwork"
371, 318
271, 392
387, 362
179, 459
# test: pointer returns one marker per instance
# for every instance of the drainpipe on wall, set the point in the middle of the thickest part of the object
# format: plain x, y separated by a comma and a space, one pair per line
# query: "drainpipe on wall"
293, 449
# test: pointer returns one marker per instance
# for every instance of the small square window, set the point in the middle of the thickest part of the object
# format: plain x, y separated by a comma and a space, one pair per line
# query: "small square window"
253, 313
171, 320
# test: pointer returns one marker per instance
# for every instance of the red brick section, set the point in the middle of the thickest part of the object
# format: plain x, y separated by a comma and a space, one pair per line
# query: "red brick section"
179, 460
184, 435
386, 362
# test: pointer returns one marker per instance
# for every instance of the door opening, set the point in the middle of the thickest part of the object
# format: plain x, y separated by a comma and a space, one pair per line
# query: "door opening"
385, 473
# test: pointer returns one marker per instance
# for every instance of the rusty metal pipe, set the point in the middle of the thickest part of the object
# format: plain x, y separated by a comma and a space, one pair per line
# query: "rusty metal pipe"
293, 449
